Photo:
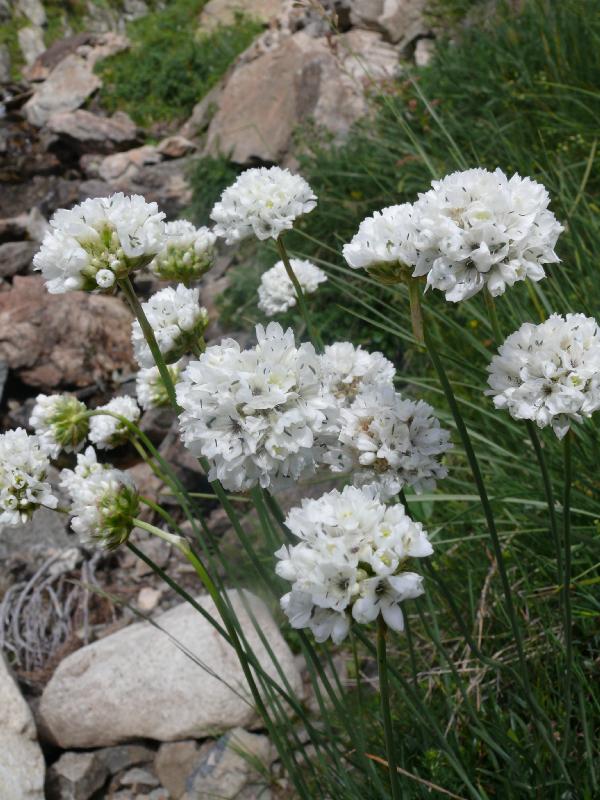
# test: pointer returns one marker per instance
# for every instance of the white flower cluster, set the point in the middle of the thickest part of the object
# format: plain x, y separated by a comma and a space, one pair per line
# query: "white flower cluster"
98, 241
348, 370
60, 421
276, 292
255, 414
187, 253
150, 389
104, 501
178, 321
390, 441
264, 201
549, 373
106, 431
471, 229
385, 242
24, 465
350, 562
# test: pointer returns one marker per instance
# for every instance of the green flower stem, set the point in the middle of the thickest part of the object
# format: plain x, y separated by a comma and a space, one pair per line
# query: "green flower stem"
302, 305
416, 312
384, 694
493, 317
127, 288
568, 471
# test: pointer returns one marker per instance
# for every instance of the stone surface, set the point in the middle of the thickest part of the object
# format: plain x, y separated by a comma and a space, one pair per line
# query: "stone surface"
62, 340
400, 21
223, 12
175, 147
123, 167
46, 531
68, 86
224, 772
16, 257
31, 43
424, 50
124, 756
22, 765
174, 762
202, 113
57, 51
139, 683
33, 10
88, 132
302, 79
75, 776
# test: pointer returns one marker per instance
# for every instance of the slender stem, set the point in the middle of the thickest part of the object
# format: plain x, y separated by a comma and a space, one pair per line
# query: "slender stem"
312, 333
416, 312
384, 694
172, 538
568, 468
539, 452
493, 316
129, 292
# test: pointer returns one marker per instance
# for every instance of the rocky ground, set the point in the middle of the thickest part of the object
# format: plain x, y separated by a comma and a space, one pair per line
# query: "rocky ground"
84, 721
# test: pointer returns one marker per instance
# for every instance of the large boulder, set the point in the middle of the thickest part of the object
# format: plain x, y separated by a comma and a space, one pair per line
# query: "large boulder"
301, 79
22, 766
54, 341
31, 43
400, 21
181, 682
68, 86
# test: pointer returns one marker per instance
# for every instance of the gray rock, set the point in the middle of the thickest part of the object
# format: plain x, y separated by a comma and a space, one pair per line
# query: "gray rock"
124, 756
68, 86
137, 683
22, 765
88, 132
139, 778
46, 530
400, 21
226, 768
174, 762
5, 66
31, 42
33, 10
424, 50
16, 257
5, 10
75, 776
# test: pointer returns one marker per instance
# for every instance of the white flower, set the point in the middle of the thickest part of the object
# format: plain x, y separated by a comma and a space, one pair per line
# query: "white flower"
187, 252
349, 370
91, 245
60, 421
549, 373
104, 501
150, 389
384, 243
255, 414
24, 465
478, 228
276, 292
108, 431
178, 321
350, 562
388, 440
264, 201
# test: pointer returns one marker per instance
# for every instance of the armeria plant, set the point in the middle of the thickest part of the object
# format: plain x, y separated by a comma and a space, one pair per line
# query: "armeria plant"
347, 565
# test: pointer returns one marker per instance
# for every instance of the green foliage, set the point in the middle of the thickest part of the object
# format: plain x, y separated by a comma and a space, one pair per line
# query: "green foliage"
208, 178
171, 65
523, 95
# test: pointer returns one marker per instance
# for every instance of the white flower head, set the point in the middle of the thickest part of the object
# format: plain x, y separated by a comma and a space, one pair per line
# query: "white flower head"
107, 431
264, 201
104, 501
24, 464
549, 373
61, 422
150, 389
349, 370
479, 228
390, 441
276, 292
178, 321
187, 252
255, 414
350, 562
384, 243
98, 241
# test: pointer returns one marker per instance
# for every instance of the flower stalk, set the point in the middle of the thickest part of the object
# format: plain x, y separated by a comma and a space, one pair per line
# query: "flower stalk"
384, 695
302, 305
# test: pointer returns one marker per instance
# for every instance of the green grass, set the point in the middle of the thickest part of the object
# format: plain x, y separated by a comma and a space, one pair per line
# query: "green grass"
522, 94
170, 65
